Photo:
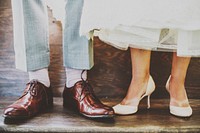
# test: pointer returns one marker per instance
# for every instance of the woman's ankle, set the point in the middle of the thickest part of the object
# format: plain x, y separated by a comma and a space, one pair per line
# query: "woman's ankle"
136, 89
178, 95
140, 78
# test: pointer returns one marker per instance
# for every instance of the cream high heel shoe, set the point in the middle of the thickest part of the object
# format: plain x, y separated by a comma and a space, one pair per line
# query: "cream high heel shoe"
178, 110
129, 109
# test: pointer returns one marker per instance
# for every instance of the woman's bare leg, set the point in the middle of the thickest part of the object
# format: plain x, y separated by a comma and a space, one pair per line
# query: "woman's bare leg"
140, 76
176, 84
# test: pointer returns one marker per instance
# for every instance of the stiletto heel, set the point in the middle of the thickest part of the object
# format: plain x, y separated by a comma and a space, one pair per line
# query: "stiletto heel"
148, 102
178, 110
130, 109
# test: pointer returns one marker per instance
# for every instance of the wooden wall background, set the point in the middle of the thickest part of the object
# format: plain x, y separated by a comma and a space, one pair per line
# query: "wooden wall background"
110, 76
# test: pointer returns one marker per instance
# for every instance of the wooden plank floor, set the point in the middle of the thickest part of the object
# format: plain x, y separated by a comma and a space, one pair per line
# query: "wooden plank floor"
156, 119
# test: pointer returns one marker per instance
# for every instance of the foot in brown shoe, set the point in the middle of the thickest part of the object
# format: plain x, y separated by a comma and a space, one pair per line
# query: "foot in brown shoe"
81, 98
36, 98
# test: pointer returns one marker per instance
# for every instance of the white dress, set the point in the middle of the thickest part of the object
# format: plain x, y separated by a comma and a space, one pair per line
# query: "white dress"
164, 25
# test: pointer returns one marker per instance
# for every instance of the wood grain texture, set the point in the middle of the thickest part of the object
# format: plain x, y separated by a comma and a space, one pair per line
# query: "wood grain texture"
59, 119
110, 76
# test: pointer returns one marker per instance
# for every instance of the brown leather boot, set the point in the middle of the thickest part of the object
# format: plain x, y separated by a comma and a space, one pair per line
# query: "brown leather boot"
36, 98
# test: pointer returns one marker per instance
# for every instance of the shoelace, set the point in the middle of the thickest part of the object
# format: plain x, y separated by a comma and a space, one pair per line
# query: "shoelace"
34, 91
87, 88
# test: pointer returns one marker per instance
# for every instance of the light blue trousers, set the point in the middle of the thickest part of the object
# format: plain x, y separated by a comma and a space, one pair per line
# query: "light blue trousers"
31, 36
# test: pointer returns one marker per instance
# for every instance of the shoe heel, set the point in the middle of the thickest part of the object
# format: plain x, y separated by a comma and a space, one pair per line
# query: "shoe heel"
66, 104
148, 102
167, 83
50, 102
150, 89
50, 99
70, 105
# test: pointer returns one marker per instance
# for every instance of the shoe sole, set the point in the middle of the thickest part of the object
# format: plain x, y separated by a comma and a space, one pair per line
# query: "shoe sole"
97, 116
49, 107
16, 117
180, 116
74, 109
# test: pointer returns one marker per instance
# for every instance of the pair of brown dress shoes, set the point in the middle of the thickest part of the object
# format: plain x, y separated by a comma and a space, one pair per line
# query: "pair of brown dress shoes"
37, 98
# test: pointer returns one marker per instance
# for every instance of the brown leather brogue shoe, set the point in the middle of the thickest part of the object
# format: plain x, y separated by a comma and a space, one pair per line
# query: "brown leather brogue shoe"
81, 98
35, 99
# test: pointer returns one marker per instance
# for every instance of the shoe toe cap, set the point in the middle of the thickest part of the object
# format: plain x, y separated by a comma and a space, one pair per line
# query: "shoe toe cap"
125, 109
13, 112
181, 111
